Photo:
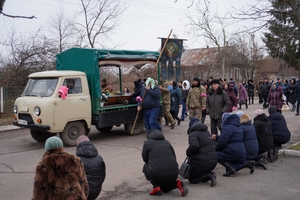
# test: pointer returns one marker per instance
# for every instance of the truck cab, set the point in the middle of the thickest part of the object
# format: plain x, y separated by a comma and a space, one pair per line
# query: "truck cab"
46, 111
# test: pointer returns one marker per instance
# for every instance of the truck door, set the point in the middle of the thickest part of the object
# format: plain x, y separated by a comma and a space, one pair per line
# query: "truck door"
74, 107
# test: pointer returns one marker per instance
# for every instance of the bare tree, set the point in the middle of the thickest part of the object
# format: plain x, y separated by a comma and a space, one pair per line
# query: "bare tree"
62, 30
101, 17
247, 55
12, 16
26, 54
208, 26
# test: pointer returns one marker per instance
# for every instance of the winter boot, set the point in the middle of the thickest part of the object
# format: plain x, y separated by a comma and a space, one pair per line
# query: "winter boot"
213, 179
178, 121
293, 108
182, 188
251, 165
271, 155
229, 169
173, 126
260, 163
276, 150
156, 191
246, 106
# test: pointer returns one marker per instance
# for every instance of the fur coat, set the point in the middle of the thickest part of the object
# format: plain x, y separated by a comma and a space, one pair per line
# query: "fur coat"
60, 175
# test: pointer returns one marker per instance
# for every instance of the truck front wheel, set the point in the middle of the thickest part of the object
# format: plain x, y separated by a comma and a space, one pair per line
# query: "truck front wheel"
138, 128
40, 136
71, 132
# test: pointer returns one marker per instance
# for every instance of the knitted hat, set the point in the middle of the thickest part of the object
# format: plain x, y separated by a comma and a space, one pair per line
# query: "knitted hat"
193, 121
53, 143
196, 79
240, 113
82, 138
258, 112
225, 115
272, 109
216, 81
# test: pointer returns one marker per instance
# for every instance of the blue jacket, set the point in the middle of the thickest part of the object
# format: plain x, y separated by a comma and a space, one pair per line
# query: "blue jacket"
230, 147
280, 131
250, 138
151, 99
176, 98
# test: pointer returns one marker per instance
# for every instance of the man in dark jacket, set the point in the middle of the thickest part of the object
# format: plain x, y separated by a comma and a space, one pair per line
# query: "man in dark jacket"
201, 153
93, 164
150, 104
138, 87
161, 167
217, 103
265, 89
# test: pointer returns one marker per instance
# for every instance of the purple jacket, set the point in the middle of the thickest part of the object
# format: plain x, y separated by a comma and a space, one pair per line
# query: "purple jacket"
243, 95
275, 97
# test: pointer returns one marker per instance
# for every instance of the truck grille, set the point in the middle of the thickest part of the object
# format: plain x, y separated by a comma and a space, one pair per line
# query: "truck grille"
26, 117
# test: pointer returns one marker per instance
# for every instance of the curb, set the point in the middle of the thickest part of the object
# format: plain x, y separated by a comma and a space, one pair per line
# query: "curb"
290, 152
9, 128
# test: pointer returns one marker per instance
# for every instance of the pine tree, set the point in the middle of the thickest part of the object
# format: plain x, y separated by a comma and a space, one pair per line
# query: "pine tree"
283, 37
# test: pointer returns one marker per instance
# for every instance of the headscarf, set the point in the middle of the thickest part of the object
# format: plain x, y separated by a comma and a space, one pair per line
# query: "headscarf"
240, 113
150, 81
53, 143
225, 115
81, 139
258, 112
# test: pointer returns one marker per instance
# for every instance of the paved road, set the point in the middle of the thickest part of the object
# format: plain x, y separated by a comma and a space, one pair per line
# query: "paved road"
19, 154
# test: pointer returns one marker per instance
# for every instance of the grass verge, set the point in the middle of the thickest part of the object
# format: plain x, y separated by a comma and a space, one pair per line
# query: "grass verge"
295, 147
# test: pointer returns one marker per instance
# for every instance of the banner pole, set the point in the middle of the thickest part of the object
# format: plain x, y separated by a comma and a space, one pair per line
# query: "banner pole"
157, 61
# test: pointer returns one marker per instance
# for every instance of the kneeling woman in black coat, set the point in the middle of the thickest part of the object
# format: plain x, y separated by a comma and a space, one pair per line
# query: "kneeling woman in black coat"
201, 152
161, 167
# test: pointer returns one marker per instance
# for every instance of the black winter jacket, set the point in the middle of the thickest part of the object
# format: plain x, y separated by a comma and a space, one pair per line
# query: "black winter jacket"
94, 167
201, 151
138, 87
263, 130
217, 103
281, 133
159, 157
265, 88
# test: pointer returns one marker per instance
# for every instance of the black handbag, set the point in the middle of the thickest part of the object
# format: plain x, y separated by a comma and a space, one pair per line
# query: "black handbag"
185, 169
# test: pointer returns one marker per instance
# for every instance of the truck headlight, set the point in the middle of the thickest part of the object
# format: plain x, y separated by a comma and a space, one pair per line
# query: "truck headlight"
15, 109
37, 111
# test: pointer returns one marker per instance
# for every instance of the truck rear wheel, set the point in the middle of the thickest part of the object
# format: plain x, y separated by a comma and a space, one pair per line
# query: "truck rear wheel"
71, 132
138, 128
40, 136
105, 129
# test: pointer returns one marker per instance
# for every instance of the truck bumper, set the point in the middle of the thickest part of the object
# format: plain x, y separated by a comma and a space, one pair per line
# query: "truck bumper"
33, 126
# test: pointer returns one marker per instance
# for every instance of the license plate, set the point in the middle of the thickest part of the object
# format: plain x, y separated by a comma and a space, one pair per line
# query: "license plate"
23, 122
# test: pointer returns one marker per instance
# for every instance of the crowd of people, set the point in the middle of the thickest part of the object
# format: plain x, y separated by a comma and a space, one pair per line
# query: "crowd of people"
235, 140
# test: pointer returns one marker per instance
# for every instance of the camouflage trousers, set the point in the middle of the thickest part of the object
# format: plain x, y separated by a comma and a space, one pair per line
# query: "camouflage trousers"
195, 112
167, 114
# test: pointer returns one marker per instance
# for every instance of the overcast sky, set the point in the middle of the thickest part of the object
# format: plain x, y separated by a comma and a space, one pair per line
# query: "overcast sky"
142, 23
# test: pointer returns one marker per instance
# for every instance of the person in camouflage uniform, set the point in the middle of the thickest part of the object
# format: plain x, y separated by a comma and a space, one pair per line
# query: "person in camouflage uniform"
196, 99
166, 98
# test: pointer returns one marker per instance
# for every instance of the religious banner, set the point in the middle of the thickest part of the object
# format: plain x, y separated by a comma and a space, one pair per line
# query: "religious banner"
170, 59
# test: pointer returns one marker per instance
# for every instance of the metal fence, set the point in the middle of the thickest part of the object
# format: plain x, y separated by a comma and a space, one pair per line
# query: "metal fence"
8, 96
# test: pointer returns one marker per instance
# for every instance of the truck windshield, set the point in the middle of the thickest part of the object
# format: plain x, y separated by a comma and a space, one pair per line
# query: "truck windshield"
41, 87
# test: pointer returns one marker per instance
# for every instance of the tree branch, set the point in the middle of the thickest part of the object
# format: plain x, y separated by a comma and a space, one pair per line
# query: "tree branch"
16, 16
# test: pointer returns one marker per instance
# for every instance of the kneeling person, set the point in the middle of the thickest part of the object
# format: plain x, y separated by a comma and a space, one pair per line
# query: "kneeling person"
161, 167
201, 152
